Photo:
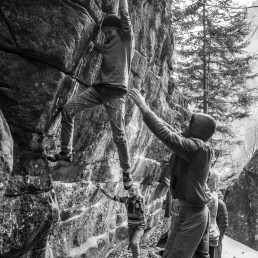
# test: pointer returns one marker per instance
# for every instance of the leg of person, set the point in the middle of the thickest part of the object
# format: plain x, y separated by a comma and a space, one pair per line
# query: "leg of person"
115, 107
218, 251
188, 231
211, 251
87, 99
171, 237
131, 230
135, 242
203, 247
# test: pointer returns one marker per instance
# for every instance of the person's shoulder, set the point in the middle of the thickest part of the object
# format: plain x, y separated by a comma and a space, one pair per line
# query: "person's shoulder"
200, 144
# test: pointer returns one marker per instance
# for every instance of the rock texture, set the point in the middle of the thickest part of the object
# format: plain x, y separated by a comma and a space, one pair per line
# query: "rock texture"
242, 203
6, 154
6, 165
44, 61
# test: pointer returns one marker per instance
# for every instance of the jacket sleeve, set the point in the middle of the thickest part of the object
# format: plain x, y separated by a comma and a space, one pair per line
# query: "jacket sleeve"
222, 218
184, 147
142, 206
120, 199
126, 24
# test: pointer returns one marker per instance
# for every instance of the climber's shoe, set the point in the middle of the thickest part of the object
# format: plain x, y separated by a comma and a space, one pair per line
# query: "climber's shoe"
127, 180
67, 157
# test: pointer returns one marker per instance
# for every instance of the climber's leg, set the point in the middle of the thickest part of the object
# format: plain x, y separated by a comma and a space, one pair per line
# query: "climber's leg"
135, 234
85, 100
114, 102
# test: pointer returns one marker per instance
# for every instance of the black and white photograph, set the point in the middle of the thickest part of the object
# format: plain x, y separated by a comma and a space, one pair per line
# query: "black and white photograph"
128, 129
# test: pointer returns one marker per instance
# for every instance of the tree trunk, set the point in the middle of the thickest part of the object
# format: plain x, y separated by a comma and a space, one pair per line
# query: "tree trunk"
205, 88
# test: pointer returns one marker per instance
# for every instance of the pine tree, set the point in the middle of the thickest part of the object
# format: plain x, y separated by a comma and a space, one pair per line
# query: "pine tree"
223, 59
212, 66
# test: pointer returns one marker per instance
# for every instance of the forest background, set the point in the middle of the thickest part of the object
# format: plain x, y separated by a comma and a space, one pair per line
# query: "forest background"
216, 69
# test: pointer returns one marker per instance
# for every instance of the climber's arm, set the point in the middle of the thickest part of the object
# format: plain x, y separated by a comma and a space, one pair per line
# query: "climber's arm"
110, 196
123, 4
114, 8
126, 24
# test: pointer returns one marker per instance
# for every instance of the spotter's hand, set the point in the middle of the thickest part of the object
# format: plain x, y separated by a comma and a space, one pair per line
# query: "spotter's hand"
138, 99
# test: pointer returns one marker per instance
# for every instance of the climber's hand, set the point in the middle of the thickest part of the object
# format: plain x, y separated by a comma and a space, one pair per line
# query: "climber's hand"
100, 188
139, 100
99, 47
137, 97
91, 46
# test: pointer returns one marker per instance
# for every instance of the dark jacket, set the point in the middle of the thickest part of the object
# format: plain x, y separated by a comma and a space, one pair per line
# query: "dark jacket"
222, 218
135, 209
190, 161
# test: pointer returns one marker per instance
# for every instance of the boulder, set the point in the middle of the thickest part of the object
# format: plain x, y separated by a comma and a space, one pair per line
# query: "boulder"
242, 203
6, 166
44, 61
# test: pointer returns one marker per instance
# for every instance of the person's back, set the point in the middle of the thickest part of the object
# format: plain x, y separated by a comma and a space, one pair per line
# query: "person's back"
190, 161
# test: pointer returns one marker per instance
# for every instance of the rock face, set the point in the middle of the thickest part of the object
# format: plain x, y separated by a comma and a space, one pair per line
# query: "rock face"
44, 61
6, 165
6, 154
242, 203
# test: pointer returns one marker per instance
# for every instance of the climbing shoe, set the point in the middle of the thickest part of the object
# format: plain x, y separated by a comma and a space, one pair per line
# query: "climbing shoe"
127, 180
67, 157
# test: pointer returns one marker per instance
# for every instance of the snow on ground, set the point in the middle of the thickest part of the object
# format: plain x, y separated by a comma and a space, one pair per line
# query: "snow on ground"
231, 248
234, 249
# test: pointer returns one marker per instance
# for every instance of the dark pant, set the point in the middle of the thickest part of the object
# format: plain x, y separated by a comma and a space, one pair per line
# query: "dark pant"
190, 235
218, 250
135, 234
212, 251
114, 103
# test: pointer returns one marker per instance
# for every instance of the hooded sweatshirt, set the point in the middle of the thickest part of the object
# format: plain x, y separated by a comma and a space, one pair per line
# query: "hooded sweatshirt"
190, 161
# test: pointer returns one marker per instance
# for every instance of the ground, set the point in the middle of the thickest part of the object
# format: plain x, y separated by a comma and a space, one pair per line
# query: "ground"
146, 246
231, 248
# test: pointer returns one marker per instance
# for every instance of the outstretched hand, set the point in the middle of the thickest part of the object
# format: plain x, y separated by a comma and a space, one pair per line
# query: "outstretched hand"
138, 99
100, 188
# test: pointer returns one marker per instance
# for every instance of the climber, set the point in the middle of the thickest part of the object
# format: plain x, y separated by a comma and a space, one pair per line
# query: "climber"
136, 216
189, 164
109, 88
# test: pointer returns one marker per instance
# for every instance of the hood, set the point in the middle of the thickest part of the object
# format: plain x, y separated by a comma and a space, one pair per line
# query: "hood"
202, 126
213, 181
